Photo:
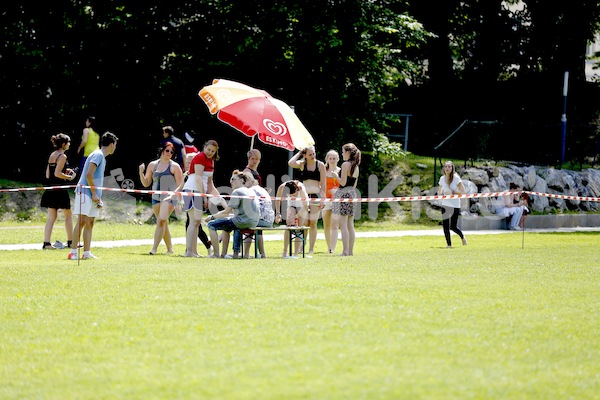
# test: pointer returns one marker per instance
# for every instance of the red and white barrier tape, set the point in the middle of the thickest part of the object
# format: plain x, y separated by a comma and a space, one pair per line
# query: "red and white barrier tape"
319, 200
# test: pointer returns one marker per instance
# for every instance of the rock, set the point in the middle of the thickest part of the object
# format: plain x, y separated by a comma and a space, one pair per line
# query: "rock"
553, 179
529, 178
477, 176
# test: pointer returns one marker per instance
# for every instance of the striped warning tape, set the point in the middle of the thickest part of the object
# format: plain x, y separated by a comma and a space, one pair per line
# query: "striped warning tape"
319, 200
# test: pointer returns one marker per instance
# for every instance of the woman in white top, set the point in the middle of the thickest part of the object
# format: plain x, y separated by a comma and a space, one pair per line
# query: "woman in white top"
450, 183
200, 180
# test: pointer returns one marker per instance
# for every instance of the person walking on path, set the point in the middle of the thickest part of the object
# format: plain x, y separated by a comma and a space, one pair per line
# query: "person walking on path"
344, 211
57, 174
88, 200
450, 184
90, 141
312, 175
164, 175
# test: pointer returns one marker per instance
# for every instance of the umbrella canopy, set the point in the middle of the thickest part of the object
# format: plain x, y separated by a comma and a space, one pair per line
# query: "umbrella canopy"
253, 111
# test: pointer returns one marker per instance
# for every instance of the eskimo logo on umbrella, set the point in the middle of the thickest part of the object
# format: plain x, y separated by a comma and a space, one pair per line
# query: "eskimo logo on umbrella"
276, 128
224, 94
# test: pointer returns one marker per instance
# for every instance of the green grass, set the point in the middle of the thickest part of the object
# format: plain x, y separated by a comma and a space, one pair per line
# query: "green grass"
12, 232
405, 318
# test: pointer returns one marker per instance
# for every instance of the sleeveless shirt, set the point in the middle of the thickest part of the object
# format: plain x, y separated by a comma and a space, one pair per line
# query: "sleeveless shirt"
92, 142
306, 174
163, 180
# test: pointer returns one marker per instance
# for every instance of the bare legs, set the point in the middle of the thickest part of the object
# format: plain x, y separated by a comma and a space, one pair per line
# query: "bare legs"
51, 219
346, 226
85, 224
191, 234
163, 211
214, 238
331, 234
69, 224
291, 215
52, 216
313, 217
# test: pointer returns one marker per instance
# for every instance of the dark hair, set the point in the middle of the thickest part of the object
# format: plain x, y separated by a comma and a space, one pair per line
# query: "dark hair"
164, 146
59, 140
108, 138
292, 186
92, 119
169, 129
354, 156
513, 185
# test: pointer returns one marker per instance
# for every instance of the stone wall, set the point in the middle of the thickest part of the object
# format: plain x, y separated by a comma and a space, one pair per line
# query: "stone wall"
585, 183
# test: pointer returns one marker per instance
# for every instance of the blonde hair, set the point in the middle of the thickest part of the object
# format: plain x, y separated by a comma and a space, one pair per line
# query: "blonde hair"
254, 152
331, 152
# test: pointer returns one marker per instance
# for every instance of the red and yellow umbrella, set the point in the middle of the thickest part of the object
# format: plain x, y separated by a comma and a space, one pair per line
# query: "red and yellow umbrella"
255, 112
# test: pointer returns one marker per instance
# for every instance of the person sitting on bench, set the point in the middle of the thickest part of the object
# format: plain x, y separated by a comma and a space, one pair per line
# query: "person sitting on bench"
510, 205
245, 211
295, 209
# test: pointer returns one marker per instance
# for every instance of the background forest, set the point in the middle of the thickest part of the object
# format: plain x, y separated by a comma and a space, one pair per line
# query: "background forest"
345, 65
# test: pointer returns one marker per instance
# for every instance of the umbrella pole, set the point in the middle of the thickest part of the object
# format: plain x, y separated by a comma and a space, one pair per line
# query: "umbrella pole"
252, 143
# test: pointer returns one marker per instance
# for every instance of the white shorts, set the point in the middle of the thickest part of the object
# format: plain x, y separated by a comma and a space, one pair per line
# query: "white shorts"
328, 205
85, 206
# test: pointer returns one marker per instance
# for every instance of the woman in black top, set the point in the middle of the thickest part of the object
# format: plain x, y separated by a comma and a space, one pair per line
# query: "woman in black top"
312, 174
57, 174
343, 212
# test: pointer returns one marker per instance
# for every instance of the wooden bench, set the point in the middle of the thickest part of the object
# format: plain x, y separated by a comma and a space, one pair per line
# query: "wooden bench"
296, 232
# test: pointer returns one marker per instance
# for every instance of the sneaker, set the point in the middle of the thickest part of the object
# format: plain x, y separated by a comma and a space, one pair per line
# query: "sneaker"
228, 256
48, 247
89, 256
515, 228
290, 257
210, 251
59, 245
73, 256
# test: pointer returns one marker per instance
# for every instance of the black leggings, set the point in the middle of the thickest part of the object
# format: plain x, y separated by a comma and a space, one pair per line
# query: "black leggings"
449, 222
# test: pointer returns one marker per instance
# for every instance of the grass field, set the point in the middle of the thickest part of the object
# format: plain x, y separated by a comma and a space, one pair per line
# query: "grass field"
403, 319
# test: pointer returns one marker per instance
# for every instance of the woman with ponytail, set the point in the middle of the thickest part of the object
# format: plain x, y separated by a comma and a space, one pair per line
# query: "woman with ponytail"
343, 212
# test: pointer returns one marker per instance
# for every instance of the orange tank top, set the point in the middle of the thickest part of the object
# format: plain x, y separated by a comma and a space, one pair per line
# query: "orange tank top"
331, 183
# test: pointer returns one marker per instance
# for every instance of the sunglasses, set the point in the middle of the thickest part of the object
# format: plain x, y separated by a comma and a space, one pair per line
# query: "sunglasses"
169, 151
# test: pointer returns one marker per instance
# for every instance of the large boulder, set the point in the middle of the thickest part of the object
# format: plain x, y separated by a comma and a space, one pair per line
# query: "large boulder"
539, 203
478, 176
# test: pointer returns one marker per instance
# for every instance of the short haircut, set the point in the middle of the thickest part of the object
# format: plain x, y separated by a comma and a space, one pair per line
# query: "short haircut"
108, 138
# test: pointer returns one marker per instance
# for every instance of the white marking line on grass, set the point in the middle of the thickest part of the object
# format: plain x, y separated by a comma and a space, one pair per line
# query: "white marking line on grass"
380, 234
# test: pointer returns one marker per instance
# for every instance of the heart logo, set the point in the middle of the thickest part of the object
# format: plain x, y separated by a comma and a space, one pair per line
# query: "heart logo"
224, 94
276, 128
